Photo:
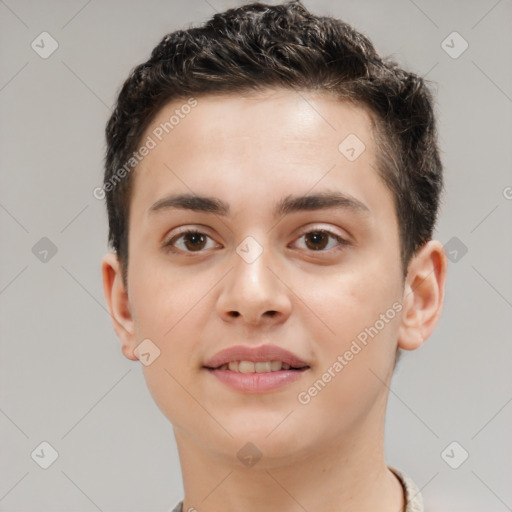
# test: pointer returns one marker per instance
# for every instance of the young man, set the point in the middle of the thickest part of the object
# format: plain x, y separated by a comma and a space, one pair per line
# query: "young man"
272, 188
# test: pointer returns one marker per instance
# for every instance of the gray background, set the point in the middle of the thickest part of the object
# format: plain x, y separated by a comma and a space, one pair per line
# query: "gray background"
63, 378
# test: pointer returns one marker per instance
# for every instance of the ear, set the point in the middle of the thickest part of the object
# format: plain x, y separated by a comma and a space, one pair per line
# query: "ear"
118, 304
423, 295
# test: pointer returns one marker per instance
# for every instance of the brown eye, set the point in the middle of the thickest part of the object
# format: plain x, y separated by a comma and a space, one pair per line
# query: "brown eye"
194, 241
188, 241
319, 240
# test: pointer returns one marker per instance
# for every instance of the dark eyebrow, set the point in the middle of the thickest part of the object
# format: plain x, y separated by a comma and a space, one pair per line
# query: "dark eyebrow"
191, 202
319, 201
289, 204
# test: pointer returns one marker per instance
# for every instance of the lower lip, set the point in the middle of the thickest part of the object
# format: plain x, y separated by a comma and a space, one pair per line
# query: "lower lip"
257, 382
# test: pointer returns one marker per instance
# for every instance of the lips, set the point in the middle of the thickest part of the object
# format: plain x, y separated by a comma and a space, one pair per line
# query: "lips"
261, 353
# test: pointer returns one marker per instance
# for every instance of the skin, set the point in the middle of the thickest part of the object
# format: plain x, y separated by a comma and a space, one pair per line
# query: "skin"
250, 152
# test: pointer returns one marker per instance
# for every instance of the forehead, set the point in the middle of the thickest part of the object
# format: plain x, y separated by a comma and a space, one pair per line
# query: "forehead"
260, 144
273, 116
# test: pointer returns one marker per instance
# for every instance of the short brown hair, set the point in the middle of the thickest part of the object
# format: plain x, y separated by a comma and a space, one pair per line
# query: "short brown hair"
260, 46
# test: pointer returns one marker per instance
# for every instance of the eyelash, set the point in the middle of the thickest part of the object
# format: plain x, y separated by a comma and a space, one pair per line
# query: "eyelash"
170, 247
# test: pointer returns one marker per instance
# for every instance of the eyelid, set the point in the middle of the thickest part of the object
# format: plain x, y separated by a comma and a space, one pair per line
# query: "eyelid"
319, 227
202, 230
342, 240
182, 230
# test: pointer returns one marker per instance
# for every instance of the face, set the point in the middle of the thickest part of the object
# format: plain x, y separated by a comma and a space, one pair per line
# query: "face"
320, 279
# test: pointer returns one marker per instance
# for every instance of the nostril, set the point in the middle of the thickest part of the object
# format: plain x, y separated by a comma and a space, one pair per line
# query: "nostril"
268, 313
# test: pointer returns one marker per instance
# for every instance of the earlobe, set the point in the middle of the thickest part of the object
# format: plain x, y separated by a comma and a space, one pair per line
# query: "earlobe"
423, 295
118, 304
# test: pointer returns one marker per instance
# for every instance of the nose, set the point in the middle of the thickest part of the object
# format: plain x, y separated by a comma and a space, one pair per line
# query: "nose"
253, 294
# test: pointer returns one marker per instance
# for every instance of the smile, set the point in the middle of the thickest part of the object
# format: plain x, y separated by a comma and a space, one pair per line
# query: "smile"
256, 367
249, 377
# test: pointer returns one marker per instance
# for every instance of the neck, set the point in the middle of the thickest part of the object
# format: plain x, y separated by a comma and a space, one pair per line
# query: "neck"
349, 474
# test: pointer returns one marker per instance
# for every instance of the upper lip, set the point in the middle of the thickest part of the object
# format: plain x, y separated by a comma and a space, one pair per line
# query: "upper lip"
254, 354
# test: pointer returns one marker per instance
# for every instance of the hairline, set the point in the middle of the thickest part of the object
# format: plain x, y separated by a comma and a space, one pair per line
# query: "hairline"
384, 142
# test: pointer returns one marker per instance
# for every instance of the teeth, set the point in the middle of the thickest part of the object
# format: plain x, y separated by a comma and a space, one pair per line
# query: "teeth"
259, 367
246, 367
275, 366
262, 367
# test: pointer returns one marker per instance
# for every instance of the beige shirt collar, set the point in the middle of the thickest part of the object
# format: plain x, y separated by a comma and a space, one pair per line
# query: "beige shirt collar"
412, 495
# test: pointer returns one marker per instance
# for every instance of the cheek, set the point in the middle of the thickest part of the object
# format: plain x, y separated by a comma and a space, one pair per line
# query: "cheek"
170, 313
162, 298
347, 302
352, 363
356, 326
